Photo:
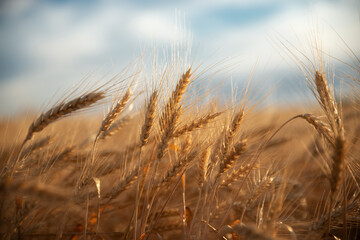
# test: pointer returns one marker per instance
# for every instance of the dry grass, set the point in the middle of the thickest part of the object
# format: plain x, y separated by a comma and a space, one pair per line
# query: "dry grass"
184, 171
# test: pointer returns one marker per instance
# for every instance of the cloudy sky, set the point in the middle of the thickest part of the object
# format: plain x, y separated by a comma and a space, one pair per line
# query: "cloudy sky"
46, 46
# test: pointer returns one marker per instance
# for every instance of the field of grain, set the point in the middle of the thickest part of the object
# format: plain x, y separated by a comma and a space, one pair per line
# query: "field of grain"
183, 165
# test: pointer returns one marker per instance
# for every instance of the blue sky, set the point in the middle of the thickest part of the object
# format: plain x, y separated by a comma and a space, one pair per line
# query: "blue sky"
47, 46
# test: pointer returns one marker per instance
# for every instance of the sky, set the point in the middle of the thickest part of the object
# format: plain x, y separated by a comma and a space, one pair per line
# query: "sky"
47, 46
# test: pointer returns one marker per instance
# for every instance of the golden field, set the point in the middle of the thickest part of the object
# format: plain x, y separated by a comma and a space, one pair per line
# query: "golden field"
183, 165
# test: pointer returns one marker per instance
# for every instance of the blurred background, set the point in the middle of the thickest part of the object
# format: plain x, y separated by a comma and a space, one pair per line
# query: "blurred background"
47, 46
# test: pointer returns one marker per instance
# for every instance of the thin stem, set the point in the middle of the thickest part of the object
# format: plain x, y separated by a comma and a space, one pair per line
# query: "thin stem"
137, 195
196, 210
344, 211
183, 181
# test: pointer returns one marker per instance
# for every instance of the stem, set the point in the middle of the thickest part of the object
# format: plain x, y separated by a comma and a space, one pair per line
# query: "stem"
344, 211
167, 200
196, 210
146, 200
97, 218
329, 215
17, 159
86, 212
203, 207
256, 157
88, 187
183, 180
212, 197
137, 196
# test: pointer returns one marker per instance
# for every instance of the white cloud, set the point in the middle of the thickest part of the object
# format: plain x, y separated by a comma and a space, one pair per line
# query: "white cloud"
64, 43
153, 26
295, 25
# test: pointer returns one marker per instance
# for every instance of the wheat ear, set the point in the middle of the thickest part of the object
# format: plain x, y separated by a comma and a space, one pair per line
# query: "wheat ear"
168, 134
236, 175
327, 101
196, 124
338, 164
116, 190
237, 230
186, 146
56, 113
114, 128
115, 111
229, 136
236, 121
38, 145
149, 119
321, 223
171, 114
322, 128
251, 232
44, 192
168, 227
203, 166
123, 185
144, 137
175, 99
62, 110
259, 189
330, 107
230, 158
105, 125
177, 168
58, 157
